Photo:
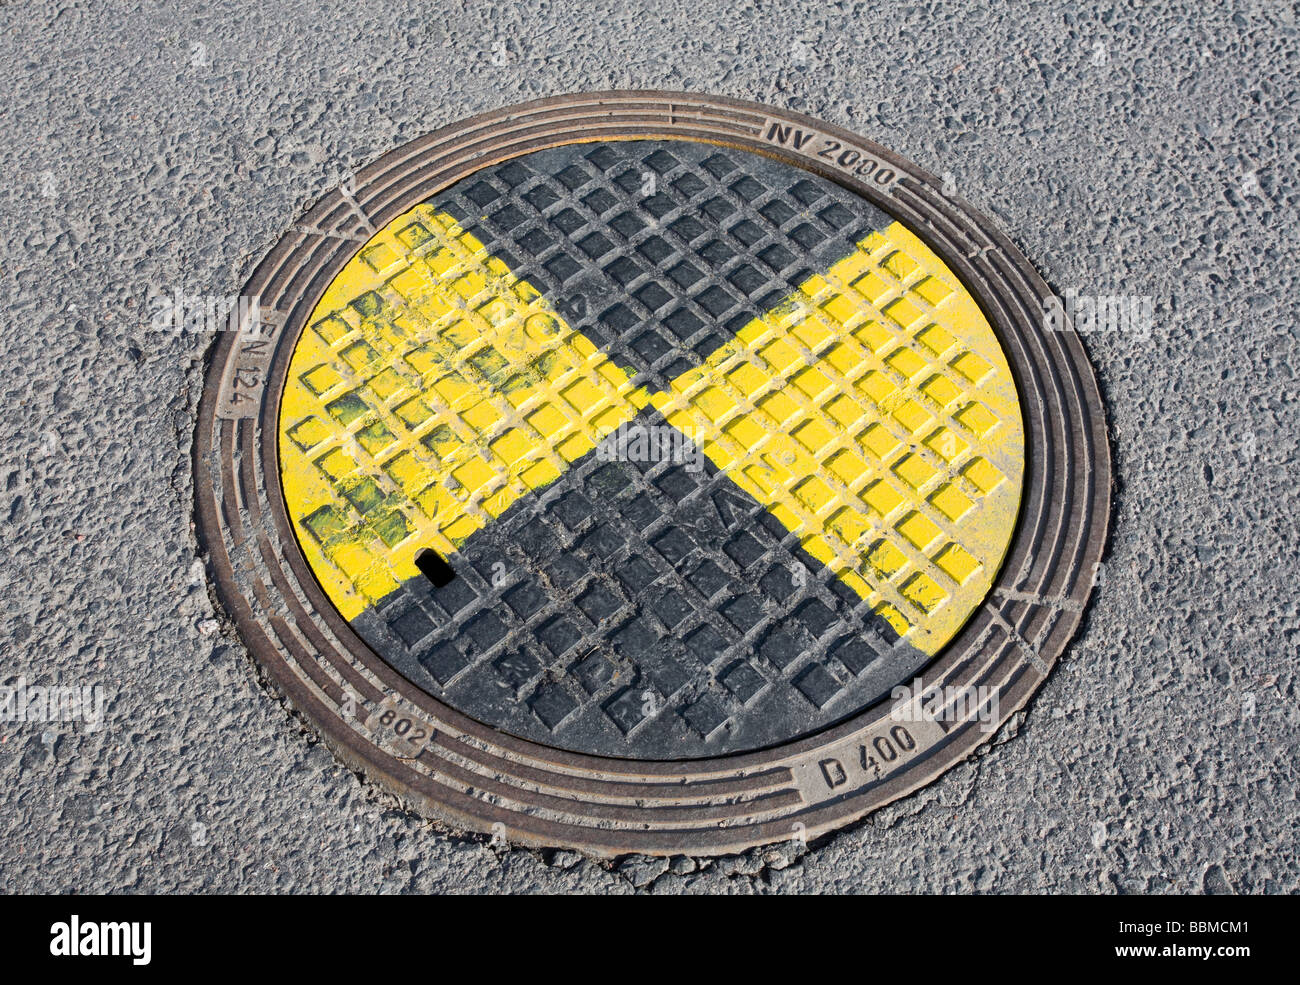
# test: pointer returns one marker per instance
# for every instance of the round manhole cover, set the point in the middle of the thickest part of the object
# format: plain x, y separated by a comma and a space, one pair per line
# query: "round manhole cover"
643, 472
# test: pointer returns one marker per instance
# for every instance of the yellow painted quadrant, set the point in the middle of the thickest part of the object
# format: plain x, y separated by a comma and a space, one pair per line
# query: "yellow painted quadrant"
430, 390
872, 412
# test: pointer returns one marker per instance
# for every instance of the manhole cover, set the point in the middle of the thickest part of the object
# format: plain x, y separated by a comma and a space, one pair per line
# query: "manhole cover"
598, 470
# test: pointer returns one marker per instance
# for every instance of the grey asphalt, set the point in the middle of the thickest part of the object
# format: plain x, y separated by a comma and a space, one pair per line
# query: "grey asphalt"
1128, 148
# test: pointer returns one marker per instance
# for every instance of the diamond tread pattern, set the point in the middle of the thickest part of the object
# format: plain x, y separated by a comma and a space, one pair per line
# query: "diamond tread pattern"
659, 252
641, 610
645, 610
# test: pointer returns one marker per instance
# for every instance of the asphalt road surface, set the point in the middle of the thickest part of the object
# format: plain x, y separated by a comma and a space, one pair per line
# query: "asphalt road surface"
1130, 149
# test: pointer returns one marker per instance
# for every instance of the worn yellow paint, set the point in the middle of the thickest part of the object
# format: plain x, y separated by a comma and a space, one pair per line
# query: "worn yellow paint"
872, 412
430, 390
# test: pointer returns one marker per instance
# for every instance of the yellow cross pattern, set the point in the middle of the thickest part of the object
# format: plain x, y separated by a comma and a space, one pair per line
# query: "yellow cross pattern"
872, 412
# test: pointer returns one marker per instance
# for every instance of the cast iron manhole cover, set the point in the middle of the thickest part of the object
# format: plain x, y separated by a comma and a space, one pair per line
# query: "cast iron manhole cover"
599, 468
